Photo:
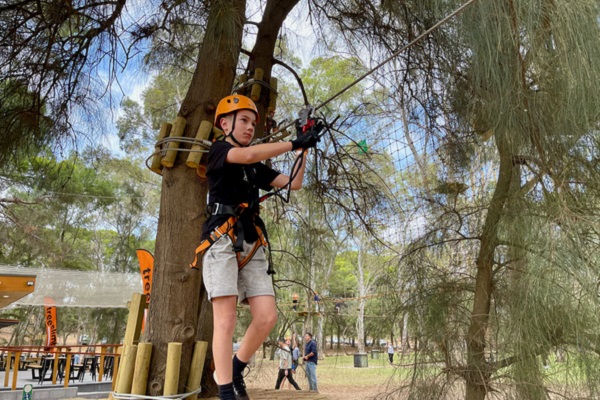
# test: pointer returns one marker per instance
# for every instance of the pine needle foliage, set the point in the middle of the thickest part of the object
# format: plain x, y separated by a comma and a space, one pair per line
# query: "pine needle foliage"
523, 74
527, 75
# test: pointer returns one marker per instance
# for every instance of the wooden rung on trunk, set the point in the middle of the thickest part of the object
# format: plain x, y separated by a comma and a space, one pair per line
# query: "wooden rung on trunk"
196, 369
125, 379
172, 370
155, 165
142, 366
177, 131
204, 130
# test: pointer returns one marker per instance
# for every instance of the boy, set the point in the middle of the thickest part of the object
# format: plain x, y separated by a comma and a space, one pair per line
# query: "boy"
295, 354
235, 174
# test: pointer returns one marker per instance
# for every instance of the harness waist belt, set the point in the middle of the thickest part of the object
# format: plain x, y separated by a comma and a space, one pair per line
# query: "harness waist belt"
228, 228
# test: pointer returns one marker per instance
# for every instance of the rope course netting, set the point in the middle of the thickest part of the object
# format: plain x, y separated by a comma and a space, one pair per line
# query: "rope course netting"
420, 174
78, 288
395, 161
429, 184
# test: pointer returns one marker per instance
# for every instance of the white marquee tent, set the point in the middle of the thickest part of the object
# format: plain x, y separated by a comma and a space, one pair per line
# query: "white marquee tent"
70, 288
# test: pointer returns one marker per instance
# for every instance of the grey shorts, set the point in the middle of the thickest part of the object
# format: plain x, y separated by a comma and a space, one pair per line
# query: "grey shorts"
222, 277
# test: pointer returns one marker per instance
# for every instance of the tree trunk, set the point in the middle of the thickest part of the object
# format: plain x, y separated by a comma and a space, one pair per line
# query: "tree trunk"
175, 313
320, 335
177, 289
360, 320
405, 341
478, 373
262, 54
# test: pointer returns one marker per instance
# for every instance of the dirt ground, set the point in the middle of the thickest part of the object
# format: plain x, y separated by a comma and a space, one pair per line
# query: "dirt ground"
337, 381
270, 394
332, 385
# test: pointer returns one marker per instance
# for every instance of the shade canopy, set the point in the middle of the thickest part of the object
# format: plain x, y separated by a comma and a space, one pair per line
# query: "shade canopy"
70, 288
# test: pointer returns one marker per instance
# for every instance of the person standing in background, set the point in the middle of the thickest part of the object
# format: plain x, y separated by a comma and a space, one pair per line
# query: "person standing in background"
390, 352
285, 365
311, 358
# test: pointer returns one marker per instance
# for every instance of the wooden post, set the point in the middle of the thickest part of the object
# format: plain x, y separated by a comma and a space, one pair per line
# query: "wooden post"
142, 366
178, 128
196, 368
155, 166
217, 133
67, 370
258, 76
7, 368
126, 371
273, 95
101, 365
172, 370
15, 369
55, 367
116, 363
137, 305
193, 160
135, 318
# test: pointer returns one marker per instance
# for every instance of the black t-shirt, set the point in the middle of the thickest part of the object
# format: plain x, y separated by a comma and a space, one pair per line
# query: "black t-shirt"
233, 184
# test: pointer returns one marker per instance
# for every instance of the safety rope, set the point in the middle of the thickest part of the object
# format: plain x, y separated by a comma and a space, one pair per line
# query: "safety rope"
252, 81
205, 144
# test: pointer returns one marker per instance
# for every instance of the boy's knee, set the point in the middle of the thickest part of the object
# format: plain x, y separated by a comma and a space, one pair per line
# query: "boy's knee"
266, 320
225, 324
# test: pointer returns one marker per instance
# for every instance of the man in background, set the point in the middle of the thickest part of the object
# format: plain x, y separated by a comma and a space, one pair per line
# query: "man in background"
310, 359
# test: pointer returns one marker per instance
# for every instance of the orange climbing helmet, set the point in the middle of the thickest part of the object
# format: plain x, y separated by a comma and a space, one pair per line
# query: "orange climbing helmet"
233, 103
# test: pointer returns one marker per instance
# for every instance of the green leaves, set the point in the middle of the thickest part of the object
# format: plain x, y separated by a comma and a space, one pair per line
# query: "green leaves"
75, 214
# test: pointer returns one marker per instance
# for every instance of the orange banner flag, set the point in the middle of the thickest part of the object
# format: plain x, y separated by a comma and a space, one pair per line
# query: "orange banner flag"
51, 321
146, 260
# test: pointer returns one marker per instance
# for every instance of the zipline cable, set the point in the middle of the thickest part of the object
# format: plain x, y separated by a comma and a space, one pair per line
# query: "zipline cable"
397, 53
363, 76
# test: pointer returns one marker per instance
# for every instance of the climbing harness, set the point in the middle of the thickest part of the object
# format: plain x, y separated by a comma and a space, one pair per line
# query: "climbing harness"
232, 228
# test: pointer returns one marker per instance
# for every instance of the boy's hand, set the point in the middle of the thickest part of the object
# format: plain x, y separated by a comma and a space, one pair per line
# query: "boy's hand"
306, 140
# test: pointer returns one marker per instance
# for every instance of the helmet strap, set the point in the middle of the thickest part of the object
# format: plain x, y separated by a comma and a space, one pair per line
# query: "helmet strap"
232, 129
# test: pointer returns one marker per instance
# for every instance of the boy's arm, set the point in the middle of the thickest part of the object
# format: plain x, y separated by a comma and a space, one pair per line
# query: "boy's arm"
262, 152
281, 180
257, 153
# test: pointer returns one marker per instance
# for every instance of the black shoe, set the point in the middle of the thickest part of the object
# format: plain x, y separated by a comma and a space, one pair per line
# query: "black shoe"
227, 396
226, 392
239, 387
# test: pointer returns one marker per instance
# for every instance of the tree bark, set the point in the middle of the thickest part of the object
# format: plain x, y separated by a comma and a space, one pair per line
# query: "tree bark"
478, 373
177, 289
362, 292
